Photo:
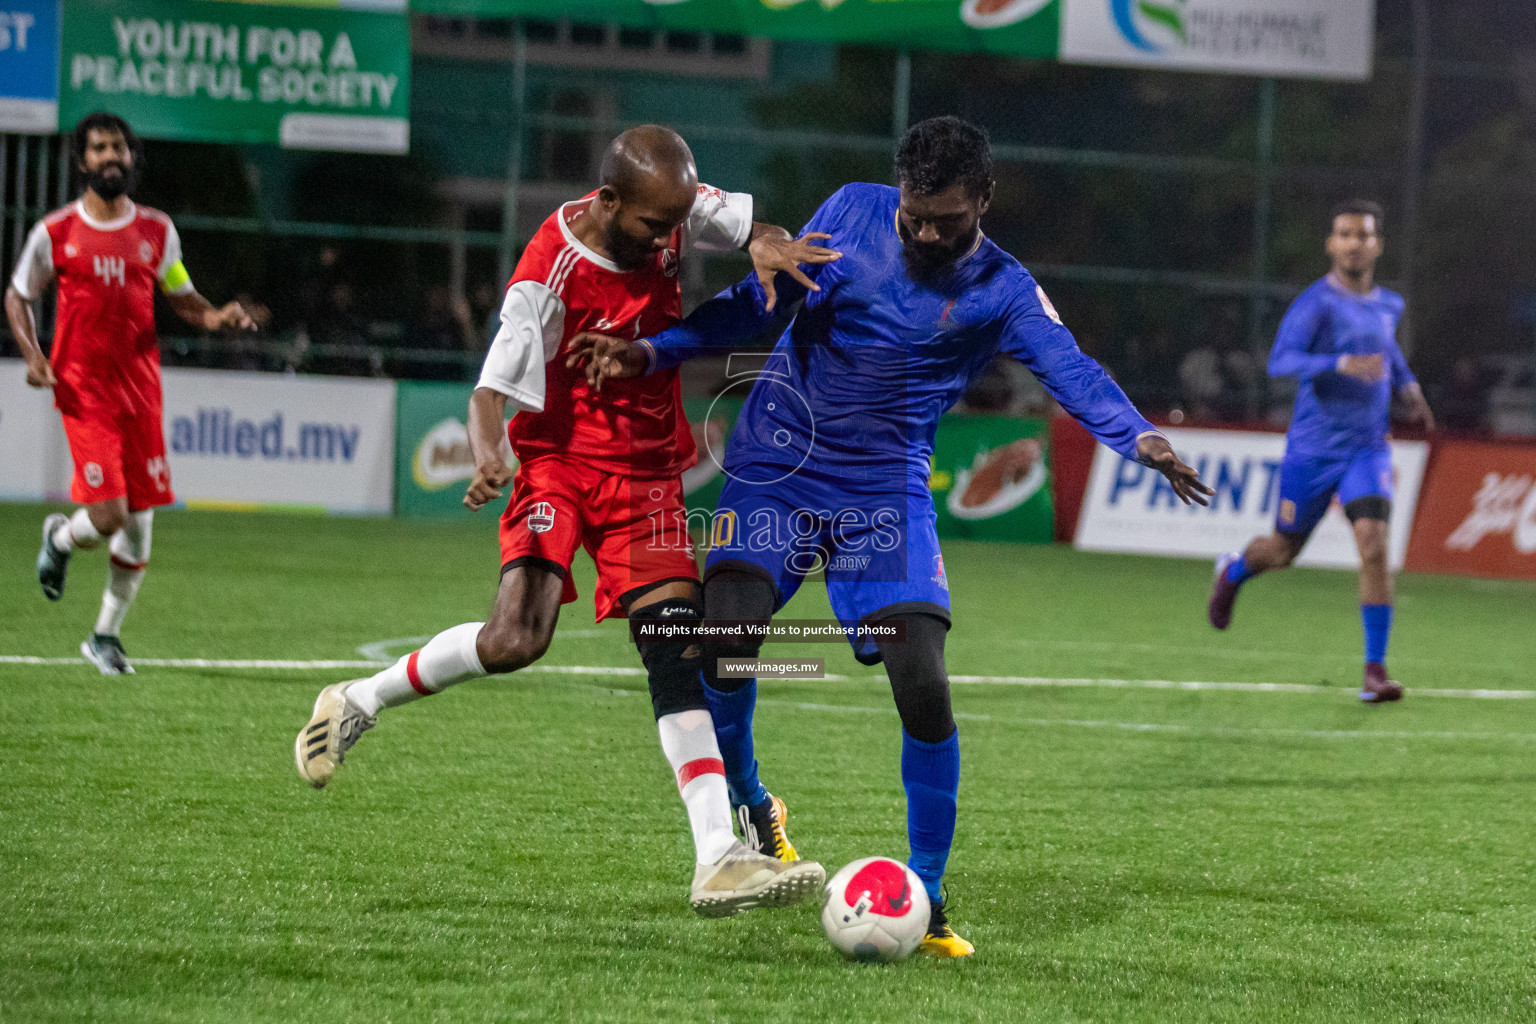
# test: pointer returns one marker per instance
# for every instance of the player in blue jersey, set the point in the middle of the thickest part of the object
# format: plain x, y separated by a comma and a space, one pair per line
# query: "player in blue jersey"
1338, 340
829, 460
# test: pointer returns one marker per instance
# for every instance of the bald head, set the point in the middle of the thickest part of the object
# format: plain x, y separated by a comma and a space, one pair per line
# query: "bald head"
649, 159
649, 187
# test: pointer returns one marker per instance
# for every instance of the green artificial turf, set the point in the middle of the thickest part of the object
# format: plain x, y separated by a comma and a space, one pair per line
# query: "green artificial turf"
515, 850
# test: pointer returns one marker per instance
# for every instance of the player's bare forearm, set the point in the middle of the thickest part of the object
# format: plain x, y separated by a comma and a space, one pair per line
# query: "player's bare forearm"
487, 415
19, 312
192, 307
761, 230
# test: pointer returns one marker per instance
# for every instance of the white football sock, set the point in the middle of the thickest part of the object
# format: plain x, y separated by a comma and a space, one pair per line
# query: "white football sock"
129, 548
79, 532
688, 740
447, 658
122, 587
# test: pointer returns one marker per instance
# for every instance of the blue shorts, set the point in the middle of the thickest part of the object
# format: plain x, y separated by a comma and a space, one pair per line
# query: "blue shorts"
876, 540
1309, 482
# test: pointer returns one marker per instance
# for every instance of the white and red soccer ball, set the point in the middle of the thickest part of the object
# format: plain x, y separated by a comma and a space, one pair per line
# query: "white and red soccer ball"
875, 909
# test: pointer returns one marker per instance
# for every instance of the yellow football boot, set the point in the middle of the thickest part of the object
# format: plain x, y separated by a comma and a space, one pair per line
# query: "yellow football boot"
941, 941
762, 829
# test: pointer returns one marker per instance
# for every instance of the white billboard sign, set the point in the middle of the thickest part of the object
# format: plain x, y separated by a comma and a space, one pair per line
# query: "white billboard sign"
34, 459
1287, 38
1131, 508
269, 439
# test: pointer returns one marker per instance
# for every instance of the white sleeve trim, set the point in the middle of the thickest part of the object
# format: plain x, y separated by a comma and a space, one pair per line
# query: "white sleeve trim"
34, 267
532, 321
719, 222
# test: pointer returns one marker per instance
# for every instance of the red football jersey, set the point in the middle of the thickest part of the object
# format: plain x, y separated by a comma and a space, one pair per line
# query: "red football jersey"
561, 287
105, 352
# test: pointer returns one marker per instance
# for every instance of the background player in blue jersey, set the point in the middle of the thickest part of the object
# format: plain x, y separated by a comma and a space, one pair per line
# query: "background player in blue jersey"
829, 460
1338, 340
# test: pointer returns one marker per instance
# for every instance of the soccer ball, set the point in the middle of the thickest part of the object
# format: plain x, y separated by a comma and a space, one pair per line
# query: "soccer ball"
875, 909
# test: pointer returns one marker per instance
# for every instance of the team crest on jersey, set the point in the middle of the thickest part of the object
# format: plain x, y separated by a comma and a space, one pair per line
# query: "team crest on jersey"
669, 261
541, 518
70, 250
93, 474
146, 251
939, 575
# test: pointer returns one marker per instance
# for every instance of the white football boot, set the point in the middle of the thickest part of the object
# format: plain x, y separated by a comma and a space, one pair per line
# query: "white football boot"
335, 726
742, 879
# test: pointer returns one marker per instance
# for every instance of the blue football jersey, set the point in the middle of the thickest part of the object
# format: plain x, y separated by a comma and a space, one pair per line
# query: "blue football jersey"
1336, 414
860, 377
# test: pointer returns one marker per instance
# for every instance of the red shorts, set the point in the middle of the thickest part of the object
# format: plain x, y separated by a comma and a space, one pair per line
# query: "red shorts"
115, 458
635, 530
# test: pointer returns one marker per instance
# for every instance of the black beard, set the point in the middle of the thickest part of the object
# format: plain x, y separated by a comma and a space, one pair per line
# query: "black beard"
109, 188
623, 250
927, 262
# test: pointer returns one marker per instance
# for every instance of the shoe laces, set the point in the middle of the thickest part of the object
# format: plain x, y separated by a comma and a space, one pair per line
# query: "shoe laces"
352, 725
938, 917
748, 830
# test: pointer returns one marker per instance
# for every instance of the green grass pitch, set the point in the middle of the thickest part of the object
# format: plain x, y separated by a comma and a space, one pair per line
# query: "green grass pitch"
515, 849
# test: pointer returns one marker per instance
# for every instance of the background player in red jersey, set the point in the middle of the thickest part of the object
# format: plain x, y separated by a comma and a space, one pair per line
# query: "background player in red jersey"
104, 366
599, 471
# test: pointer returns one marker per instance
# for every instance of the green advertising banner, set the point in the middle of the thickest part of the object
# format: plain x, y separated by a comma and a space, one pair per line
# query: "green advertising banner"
210, 71
1022, 28
433, 464
991, 478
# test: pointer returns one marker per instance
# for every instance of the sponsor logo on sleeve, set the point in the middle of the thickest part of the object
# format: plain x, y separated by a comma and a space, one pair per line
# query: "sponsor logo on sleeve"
1046, 304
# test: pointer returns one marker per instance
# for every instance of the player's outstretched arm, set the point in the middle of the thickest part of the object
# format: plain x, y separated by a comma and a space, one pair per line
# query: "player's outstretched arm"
487, 416
1034, 335
19, 312
199, 312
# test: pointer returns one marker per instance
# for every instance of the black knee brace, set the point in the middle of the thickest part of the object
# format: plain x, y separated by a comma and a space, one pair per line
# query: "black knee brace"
735, 595
671, 666
919, 681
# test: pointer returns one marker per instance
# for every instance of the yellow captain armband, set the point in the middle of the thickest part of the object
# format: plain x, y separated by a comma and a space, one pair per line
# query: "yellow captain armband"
176, 279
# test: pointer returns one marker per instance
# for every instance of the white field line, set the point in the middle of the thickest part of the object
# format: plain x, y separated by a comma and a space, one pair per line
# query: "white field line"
1171, 684
635, 670
389, 650
1150, 727
27, 659
1112, 646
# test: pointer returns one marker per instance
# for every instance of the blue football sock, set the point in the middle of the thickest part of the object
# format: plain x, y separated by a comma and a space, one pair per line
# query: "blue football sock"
1237, 570
732, 712
1378, 627
931, 774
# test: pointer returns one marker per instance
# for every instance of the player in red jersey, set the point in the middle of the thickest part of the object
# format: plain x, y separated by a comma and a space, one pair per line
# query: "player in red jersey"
107, 256
599, 471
